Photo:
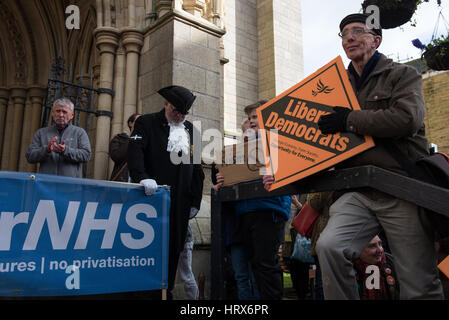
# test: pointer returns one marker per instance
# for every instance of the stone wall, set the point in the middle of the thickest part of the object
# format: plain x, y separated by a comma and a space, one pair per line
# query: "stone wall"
263, 43
436, 97
241, 72
289, 58
176, 52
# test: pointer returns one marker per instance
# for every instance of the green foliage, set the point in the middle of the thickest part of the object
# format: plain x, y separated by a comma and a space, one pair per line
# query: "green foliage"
438, 41
440, 46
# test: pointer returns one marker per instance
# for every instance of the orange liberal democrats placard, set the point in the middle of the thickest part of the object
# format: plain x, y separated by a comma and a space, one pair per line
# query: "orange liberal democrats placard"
444, 266
299, 148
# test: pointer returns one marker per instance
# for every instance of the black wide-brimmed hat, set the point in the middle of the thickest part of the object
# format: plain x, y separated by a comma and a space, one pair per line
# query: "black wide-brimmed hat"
358, 17
180, 97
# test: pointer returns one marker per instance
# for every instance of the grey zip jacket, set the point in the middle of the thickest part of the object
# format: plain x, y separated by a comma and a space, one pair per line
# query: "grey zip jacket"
70, 163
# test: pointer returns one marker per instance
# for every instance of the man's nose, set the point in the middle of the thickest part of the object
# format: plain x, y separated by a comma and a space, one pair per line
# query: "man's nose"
349, 37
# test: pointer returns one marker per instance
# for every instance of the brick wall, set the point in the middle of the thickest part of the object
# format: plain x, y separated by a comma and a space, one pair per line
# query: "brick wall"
436, 97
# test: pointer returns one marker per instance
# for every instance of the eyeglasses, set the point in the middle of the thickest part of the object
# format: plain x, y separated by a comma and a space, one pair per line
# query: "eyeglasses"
356, 32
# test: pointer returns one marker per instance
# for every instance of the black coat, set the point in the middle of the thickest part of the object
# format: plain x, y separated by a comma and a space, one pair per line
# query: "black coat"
148, 158
118, 151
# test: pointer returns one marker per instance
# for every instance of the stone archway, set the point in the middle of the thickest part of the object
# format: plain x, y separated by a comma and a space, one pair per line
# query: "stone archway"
32, 35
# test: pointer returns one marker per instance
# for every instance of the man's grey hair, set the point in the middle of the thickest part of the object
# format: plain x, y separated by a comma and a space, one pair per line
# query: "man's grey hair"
64, 102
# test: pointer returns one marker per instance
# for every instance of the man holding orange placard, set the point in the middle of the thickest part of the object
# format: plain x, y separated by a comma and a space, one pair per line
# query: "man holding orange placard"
392, 112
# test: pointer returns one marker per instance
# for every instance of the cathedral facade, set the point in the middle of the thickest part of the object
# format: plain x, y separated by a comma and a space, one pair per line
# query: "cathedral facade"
111, 57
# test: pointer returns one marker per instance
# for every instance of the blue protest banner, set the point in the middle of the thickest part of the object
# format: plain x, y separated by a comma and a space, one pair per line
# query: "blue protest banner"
68, 236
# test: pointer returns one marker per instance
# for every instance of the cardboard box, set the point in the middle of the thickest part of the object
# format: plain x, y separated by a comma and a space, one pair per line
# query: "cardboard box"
240, 162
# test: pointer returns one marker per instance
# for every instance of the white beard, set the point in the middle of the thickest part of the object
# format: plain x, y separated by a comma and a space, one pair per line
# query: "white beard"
178, 139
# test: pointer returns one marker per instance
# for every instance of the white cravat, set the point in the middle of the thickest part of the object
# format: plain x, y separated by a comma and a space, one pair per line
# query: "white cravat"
178, 139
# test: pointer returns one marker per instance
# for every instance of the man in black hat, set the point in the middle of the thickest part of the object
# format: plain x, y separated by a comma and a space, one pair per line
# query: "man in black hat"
157, 143
392, 112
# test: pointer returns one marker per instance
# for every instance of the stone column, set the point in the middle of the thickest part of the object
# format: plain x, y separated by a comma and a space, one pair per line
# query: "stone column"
279, 46
107, 41
119, 84
162, 7
4, 97
195, 7
150, 14
107, 12
23, 164
37, 96
18, 95
132, 41
132, 13
266, 54
99, 13
216, 11
8, 134
177, 4
117, 104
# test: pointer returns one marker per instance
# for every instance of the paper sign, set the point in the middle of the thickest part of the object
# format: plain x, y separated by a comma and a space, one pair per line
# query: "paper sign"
240, 162
301, 148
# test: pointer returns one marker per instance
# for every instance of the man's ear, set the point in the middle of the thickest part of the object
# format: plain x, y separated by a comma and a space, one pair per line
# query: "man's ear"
378, 41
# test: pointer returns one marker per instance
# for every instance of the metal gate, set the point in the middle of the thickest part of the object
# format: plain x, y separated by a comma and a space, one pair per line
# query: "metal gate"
84, 97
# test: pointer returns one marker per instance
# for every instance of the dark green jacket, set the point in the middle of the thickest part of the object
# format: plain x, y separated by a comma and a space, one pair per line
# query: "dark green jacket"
392, 108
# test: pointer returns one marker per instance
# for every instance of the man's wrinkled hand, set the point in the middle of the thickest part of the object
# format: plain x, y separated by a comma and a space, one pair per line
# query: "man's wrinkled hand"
59, 148
52, 143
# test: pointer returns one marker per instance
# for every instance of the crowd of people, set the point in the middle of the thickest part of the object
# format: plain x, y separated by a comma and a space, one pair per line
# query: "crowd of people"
352, 228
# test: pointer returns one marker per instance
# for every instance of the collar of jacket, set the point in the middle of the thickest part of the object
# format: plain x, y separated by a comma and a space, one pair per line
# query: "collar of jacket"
63, 129
162, 118
382, 64
123, 135
368, 68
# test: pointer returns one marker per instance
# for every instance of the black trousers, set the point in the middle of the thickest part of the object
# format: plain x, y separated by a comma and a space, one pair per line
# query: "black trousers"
299, 272
263, 234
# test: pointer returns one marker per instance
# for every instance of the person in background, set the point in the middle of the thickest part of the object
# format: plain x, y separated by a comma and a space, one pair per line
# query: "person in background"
386, 287
262, 221
243, 274
247, 134
320, 202
61, 148
118, 151
299, 271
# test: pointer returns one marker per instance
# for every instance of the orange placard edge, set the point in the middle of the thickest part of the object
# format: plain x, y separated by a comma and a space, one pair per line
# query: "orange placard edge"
444, 266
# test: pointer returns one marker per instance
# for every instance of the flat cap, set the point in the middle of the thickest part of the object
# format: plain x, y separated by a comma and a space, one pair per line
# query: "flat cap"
358, 17
180, 97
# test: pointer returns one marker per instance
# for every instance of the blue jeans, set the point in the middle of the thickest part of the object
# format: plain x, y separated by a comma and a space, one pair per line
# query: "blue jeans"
185, 272
246, 284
